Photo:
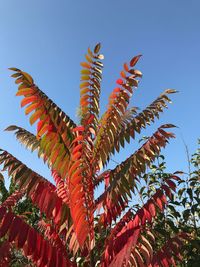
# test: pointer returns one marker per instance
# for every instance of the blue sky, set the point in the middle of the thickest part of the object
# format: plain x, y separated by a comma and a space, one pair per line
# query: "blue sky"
48, 39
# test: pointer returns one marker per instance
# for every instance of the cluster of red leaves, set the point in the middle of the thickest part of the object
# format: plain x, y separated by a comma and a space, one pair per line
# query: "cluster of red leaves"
61, 187
170, 252
34, 246
126, 233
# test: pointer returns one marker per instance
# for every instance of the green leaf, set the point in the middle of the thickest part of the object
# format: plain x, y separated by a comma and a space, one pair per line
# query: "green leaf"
186, 214
189, 191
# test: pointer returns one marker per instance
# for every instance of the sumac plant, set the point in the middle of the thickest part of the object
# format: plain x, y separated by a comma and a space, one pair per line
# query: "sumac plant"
76, 227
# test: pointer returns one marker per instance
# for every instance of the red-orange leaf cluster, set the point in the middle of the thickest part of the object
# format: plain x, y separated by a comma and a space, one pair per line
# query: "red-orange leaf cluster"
71, 226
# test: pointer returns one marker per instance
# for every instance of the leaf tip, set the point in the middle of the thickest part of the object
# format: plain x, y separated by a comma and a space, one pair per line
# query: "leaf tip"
11, 128
97, 48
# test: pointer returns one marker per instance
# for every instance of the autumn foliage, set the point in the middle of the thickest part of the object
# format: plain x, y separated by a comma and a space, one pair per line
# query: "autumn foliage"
76, 227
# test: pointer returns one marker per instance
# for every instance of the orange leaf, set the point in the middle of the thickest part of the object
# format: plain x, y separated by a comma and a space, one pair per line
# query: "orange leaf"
43, 130
84, 91
76, 156
31, 107
76, 178
85, 72
25, 91
126, 68
123, 75
28, 100
35, 116
74, 167
85, 65
76, 173
88, 58
117, 90
85, 84
77, 148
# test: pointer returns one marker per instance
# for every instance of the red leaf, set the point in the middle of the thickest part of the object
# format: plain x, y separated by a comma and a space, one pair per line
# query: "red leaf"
167, 191
163, 198
136, 221
59, 259
5, 249
147, 215
125, 249
76, 156
165, 262
90, 119
14, 229
157, 200
58, 211
37, 253
44, 252
7, 221
22, 237
78, 129
78, 138
159, 203
37, 193
40, 125
117, 90
2, 212
119, 81
175, 177
52, 256
43, 130
151, 208
134, 60
51, 128
48, 197
171, 184
32, 241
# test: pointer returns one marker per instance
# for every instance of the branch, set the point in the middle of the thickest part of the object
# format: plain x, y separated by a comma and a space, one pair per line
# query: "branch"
90, 88
122, 179
141, 120
54, 126
112, 118
41, 191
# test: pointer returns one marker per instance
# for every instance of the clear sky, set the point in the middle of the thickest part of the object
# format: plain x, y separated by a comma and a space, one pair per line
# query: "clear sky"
48, 39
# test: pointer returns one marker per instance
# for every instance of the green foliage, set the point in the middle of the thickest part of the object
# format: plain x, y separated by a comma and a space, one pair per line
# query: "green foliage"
25, 209
182, 212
